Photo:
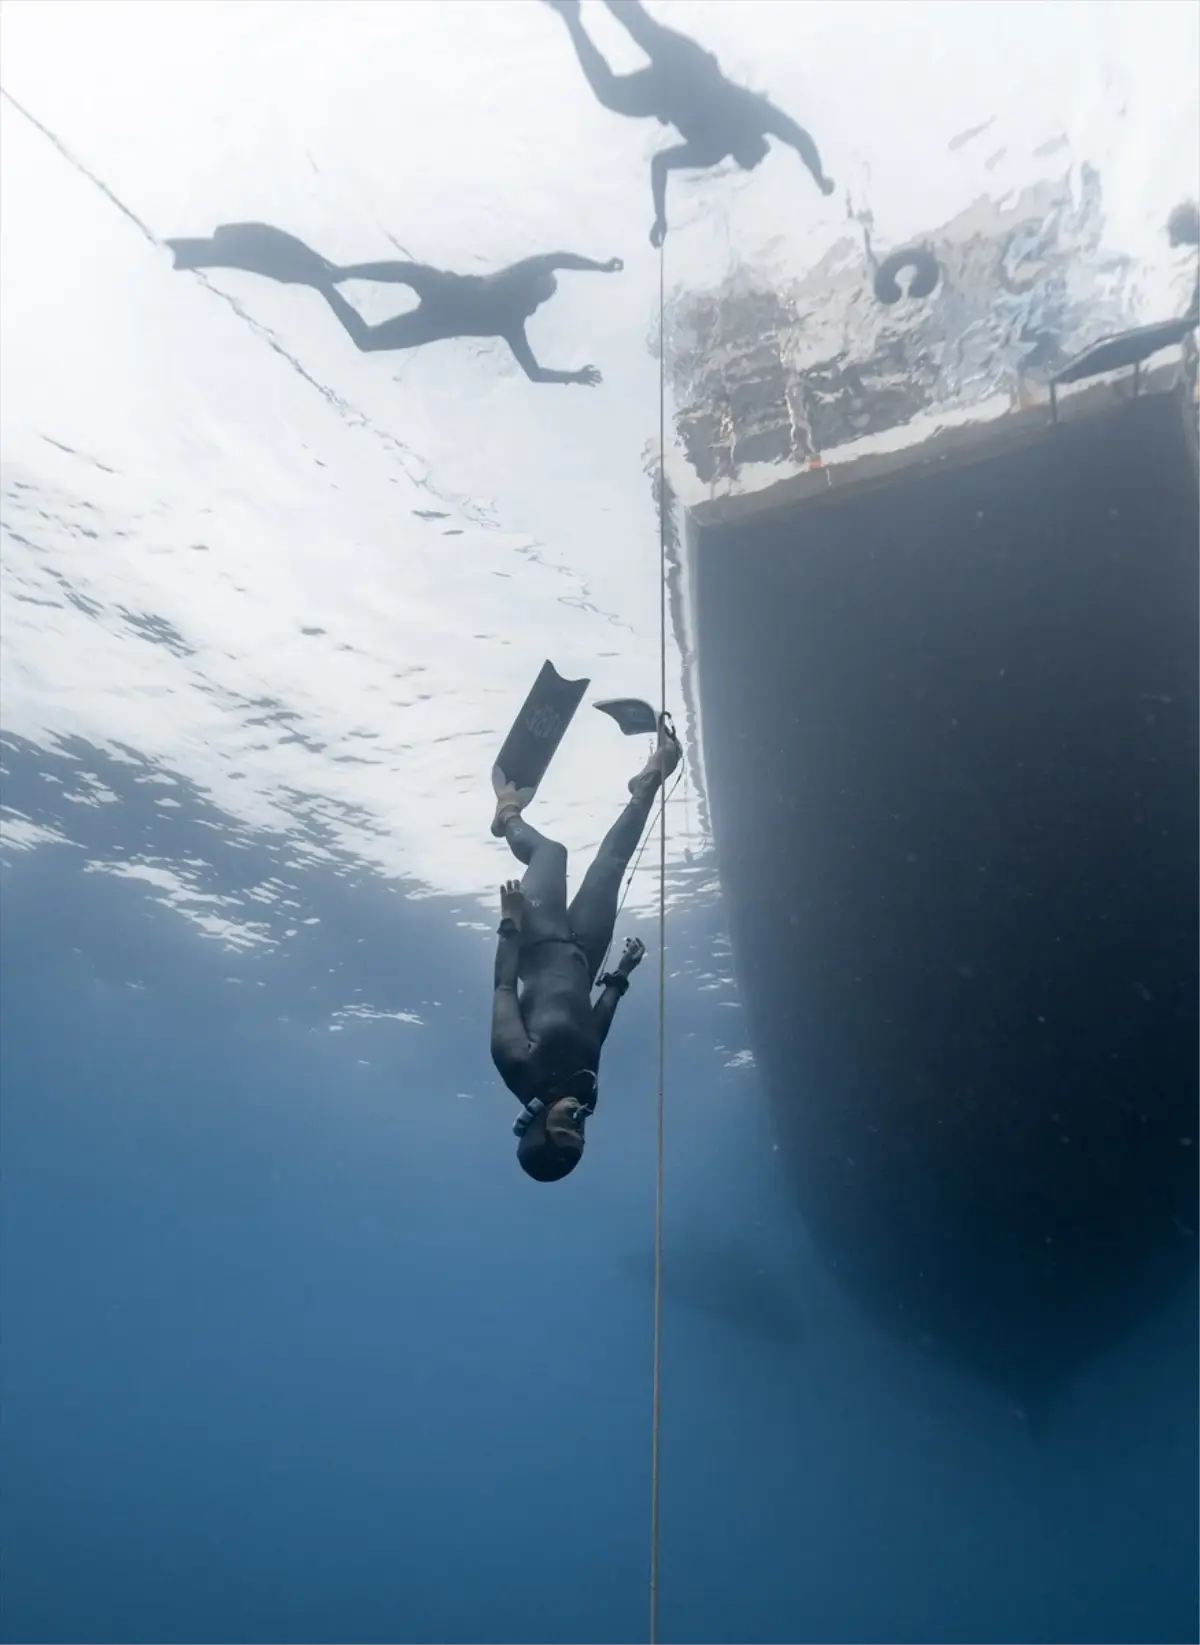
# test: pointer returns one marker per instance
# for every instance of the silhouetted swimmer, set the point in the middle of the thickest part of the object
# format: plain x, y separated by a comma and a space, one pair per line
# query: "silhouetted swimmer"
449, 305
685, 88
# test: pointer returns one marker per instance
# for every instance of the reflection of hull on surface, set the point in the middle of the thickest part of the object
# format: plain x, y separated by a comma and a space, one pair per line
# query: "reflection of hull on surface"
950, 744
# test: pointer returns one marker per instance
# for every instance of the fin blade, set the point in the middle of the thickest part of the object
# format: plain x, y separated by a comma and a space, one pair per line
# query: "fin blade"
538, 729
254, 248
634, 716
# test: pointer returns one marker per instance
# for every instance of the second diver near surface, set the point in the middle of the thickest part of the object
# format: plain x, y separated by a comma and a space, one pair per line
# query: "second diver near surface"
448, 305
547, 1032
684, 86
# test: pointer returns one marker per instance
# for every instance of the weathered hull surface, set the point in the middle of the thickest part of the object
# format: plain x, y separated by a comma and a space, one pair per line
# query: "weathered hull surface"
950, 732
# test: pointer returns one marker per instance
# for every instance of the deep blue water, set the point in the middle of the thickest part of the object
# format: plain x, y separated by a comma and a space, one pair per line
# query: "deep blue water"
291, 1351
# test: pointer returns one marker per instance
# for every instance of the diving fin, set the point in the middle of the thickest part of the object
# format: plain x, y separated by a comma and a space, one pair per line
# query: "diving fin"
536, 733
189, 253
256, 248
635, 717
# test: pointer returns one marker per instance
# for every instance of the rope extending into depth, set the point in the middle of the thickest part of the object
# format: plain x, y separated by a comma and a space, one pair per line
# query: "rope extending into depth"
656, 1408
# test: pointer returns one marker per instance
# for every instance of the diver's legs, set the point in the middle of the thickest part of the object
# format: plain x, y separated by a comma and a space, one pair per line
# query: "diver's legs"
544, 883
660, 43
255, 248
419, 276
593, 911
632, 94
405, 331
665, 757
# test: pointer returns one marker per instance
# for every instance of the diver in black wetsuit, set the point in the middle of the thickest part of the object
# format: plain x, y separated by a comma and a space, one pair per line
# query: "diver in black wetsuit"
546, 1039
450, 305
685, 88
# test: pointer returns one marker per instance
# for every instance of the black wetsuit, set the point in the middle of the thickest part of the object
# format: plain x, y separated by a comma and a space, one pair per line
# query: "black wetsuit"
551, 1029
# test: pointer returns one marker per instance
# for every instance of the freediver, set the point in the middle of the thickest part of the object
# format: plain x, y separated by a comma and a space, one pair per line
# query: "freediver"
546, 1038
449, 305
684, 87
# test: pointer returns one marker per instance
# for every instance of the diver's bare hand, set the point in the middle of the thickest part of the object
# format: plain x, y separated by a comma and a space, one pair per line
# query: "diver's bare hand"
635, 952
659, 232
512, 902
613, 266
588, 376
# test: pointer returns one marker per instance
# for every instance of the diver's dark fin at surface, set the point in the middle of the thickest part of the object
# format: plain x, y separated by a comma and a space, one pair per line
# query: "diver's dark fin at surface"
635, 717
189, 253
537, 731
256, 248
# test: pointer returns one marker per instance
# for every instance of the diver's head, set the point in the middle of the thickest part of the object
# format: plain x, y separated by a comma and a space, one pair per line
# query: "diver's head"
750, 150
541, 288
552, 1136
1183, 225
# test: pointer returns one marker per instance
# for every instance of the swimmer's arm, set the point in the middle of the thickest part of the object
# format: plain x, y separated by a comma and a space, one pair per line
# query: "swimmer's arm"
508, 956
519, 343
605, 1008
510, 1040
549, 261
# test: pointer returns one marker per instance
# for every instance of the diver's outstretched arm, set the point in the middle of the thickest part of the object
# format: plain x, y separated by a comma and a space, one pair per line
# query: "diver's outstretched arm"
549, 261
519, 344
684, 158
780, 125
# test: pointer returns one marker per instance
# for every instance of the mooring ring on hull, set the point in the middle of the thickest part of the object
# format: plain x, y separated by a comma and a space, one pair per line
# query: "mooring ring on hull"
926, 274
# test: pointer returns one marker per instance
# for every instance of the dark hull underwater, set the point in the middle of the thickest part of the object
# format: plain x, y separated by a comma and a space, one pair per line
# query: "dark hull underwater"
950, 731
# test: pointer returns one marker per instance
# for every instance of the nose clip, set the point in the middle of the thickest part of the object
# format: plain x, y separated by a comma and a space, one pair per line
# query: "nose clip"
527, 1116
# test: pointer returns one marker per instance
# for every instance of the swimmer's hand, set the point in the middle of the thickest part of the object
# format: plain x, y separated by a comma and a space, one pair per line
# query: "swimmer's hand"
589, 376
613, 266
512, 902
635, 952
659, 232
